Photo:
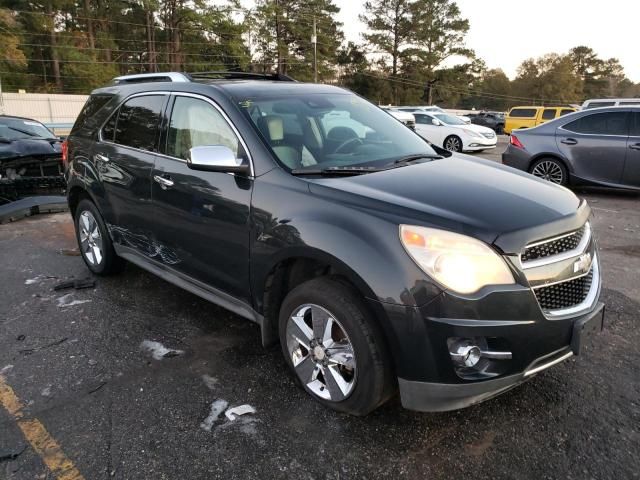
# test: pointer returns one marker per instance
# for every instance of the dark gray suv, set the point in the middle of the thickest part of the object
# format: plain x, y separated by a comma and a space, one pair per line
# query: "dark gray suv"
593, 147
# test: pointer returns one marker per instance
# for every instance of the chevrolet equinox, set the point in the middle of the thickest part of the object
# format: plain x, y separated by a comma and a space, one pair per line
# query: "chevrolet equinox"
377, 264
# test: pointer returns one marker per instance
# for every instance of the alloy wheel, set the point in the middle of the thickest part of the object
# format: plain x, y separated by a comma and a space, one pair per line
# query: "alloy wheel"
321, 352
453, 144
549, 170
91, 244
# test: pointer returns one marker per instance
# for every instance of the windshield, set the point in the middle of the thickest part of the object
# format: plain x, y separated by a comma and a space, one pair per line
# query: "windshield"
449, 119
18, 129
331, 130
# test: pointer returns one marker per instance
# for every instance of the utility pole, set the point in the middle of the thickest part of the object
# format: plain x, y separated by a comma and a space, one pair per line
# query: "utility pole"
314, 40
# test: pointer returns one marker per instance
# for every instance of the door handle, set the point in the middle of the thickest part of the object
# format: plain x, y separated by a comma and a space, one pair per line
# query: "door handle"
569, 141
163, 182
635, 146
98, 157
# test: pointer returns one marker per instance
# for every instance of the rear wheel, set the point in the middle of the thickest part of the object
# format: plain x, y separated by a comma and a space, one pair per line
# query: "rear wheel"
94, 241
550, 169
453, 143
335, 351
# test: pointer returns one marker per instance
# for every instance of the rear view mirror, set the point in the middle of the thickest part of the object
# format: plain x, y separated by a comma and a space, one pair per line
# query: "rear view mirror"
215, 158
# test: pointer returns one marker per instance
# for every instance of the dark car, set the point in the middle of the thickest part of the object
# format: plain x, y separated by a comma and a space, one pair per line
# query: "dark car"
593, 147
30, 159
493, 120
376, 263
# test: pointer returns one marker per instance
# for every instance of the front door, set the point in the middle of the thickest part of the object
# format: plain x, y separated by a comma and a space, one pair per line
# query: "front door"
202, 218
596, 145
631, 175
123, 160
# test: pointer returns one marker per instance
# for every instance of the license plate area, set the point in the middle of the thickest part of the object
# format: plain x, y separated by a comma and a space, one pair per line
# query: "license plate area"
585, 329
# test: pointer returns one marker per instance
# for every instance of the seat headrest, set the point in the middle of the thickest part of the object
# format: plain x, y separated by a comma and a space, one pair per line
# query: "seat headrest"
272, 127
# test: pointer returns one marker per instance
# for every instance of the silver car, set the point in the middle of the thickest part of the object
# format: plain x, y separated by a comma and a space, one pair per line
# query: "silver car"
599, 146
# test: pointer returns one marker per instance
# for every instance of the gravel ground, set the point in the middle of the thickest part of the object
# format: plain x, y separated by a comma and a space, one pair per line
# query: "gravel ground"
80, 367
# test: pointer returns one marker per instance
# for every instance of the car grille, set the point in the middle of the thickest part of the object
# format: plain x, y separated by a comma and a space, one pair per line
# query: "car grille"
554, 246
488, 135
566, 294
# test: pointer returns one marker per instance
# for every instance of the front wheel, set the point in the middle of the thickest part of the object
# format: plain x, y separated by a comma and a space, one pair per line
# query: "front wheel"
453, 143
336, 352
94, 241
550, 169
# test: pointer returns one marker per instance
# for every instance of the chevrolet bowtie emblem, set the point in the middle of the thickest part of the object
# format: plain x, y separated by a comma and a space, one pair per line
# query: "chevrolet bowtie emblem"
582, 264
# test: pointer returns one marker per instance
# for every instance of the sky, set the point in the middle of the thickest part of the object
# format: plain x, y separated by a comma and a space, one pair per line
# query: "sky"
505, 32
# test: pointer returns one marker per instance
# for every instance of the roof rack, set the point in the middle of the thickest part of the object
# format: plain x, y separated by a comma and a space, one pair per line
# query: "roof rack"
230, 75
151, 77
195, 76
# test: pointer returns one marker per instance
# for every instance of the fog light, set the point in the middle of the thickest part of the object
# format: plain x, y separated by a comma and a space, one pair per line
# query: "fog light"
464, 354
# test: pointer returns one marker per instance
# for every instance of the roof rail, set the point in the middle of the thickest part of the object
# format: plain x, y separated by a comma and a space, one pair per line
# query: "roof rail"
151, 77
238, 75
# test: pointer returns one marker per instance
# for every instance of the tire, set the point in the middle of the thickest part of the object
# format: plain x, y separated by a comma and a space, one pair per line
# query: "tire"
550, 169
453, 143
357, 352
96, 249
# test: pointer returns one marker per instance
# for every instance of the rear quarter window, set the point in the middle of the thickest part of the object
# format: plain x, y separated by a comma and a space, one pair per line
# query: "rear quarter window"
549, 113
523, 113
87, 120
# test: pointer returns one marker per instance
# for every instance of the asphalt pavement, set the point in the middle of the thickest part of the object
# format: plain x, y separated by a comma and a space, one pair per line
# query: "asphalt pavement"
124, 381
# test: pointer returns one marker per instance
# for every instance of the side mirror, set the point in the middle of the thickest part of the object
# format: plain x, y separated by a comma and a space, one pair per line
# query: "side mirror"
436, 122
215, 158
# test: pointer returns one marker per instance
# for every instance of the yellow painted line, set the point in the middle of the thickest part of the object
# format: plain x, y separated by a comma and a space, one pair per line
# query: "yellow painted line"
44, 444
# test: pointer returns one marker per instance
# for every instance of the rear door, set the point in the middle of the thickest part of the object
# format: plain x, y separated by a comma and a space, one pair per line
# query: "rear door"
596, 145
631, 175
201, 218
123, 160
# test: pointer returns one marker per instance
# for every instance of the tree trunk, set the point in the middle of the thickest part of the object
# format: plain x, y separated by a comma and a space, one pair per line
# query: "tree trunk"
151, 40
54, 51
90, 32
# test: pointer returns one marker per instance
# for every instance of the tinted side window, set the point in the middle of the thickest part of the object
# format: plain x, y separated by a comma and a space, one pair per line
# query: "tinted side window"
629, 103
549, 113
196, 123
635, 125
93, 105
109, 128
565, 112
138, 122
614, 123
422, 119
523, 112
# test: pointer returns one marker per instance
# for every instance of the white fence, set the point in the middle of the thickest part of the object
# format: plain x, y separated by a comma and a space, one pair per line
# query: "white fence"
57, 111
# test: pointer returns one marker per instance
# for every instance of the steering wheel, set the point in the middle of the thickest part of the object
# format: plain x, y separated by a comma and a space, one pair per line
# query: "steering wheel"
348, 142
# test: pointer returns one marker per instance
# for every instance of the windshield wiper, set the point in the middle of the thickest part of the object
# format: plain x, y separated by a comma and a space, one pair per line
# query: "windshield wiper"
417, 156
336, 171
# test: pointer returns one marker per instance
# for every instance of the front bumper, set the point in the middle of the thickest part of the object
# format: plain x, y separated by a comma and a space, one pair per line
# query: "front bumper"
476, 144
433, 396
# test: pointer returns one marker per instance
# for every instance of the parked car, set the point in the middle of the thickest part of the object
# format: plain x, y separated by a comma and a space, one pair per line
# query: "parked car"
431, 109
404, 117
30, 159
527, 117
377, 264
592, 147
610, 102
453, 134
493, 120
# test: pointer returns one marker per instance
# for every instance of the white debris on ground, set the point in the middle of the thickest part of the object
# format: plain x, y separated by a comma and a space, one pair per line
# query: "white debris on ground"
46, 392
217, 408
38, 278
209, 381
5, 369
234, 412
159, 351
68, 301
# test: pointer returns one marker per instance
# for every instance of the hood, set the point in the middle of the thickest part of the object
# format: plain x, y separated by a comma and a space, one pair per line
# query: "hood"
30, 147
471, 196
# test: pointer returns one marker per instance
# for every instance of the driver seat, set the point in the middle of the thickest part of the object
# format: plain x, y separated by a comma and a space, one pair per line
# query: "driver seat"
272, 127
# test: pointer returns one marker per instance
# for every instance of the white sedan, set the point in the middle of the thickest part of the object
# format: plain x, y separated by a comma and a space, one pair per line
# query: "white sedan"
452, 133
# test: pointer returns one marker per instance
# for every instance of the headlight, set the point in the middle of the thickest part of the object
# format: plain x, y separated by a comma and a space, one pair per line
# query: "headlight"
460, 263
472, 133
